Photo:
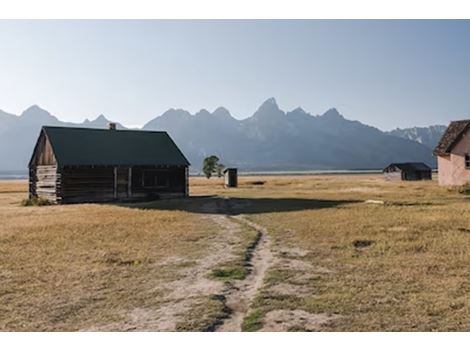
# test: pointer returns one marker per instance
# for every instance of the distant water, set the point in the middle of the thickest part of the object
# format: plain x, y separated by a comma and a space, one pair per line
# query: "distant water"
19, 175
302, 172
310, 172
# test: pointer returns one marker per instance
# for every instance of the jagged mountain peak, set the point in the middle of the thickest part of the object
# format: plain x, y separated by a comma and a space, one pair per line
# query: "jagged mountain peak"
271, 103
172, 113
268, 110
38, 114
222, 112
271, 100
100, 122
332, 113
428, 136
34, 109
299, 110
203, 112
101, 117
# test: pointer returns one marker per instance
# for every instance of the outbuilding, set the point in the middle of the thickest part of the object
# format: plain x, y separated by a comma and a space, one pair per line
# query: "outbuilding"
74, 165
453, 154
230, 177
407, 172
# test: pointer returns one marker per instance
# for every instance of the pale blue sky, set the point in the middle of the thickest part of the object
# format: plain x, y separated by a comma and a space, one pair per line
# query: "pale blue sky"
383, 73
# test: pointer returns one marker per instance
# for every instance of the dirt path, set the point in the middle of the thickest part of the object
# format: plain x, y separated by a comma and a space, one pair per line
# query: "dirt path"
242, 293
193, 282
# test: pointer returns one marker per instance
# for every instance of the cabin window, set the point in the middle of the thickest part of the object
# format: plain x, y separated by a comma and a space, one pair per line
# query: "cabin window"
155, 179
162, 180
467, 161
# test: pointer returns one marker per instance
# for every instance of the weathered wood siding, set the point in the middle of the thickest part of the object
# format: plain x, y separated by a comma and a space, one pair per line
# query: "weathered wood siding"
105, 184
167, 182
43, 178
43, 182
86, 184
411, 176
393, 176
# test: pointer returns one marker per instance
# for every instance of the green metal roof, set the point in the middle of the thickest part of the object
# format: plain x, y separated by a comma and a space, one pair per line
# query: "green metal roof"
89, 146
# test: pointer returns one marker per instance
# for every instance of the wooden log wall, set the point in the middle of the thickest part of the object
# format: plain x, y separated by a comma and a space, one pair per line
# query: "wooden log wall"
43, 182
86, 184
176, 181
104, 184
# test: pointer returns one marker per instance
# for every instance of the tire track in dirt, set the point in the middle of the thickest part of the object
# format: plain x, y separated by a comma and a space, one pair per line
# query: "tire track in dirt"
240, 295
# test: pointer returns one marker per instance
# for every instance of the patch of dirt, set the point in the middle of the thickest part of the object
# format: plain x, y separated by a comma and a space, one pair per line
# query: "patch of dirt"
191, 281
144, 319
295, 264
285, 320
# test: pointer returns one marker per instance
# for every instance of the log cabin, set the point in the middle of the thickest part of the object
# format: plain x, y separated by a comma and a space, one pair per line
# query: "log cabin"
407, 172
76, 165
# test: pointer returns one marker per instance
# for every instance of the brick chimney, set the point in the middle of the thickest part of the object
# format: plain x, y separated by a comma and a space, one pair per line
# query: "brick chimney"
112, 126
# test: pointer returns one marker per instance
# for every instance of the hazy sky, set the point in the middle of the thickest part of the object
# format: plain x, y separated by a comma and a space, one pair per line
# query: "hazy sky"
383, 73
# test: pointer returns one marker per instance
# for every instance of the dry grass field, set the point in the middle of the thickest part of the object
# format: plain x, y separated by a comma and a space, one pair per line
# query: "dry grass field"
108, 267
338, 262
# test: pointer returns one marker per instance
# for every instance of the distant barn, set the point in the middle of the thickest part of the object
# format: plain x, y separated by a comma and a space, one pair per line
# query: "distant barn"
407, 172
73, 165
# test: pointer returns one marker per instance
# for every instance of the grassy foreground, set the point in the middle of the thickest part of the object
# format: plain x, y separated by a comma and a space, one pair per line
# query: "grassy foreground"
398, 266
351, 253
96, 267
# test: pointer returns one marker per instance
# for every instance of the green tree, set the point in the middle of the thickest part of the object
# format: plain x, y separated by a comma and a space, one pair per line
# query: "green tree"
209, 166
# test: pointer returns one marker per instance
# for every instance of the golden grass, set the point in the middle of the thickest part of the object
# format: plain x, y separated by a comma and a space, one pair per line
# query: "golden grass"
84, 266
414, 275
19, 186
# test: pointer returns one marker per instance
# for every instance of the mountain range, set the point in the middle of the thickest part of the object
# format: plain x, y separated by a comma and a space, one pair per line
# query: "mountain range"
429, 136
271, 139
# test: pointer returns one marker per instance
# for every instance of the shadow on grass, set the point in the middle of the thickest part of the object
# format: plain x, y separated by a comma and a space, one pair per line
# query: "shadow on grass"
237, 205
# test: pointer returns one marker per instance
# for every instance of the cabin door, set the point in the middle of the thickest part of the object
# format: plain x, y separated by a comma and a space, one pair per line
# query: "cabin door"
122, 182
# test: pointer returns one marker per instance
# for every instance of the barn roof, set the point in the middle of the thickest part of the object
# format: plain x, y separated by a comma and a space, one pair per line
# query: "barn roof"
410, 166
90, 146
451, 136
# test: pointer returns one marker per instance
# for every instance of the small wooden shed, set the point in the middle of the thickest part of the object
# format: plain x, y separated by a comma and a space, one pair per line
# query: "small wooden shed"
230, 177
73, 165
407, 172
